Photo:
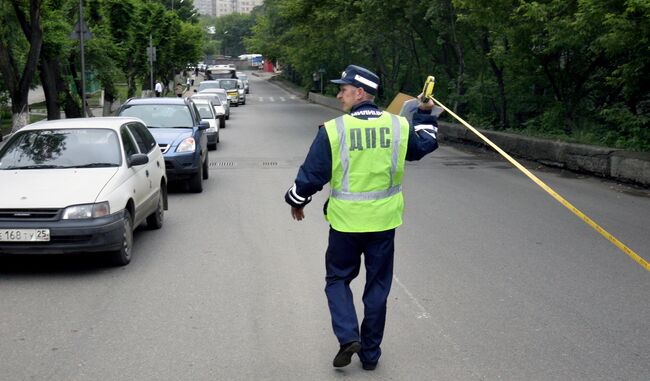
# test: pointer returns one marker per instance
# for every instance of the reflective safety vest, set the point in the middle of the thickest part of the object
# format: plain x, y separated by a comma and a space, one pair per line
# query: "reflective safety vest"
367, 169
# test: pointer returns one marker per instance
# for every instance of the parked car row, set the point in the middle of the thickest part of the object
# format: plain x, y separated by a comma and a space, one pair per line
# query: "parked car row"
84, 185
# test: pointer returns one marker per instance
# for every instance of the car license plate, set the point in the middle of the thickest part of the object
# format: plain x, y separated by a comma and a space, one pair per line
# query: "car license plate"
24, 235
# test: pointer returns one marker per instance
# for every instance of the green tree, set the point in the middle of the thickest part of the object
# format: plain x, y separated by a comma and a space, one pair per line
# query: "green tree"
18, 68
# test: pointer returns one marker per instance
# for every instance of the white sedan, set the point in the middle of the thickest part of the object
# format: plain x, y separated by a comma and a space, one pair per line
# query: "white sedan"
80, 185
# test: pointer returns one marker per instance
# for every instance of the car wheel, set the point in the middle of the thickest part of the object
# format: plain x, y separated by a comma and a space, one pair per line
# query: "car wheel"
196, 181
122, 257
222, 122
206, 169
227, 117
155, 219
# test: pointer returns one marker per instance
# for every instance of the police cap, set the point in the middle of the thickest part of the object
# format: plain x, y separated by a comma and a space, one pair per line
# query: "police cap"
359, 77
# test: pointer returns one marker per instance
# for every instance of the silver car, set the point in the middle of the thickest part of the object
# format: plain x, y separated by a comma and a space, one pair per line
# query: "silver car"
207, 113
244, 79
241, 91
223, 98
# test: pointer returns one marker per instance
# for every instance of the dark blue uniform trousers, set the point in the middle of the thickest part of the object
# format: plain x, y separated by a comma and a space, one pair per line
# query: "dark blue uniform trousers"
343, 261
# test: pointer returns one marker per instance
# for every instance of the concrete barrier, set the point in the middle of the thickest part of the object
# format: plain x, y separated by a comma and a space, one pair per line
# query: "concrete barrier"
324, 100
616, 164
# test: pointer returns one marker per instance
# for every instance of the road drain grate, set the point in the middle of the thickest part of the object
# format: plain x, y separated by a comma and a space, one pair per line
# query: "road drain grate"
254, 163
223, 164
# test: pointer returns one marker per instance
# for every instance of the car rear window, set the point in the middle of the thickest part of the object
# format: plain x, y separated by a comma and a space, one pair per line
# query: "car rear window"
205, 110
228, 84
208, 85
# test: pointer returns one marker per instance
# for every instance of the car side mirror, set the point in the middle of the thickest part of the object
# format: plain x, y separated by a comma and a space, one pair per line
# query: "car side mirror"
138, 159
204, 125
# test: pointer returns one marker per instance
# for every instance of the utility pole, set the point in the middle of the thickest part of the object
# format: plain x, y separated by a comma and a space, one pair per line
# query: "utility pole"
81, 33
151, 59
83, 61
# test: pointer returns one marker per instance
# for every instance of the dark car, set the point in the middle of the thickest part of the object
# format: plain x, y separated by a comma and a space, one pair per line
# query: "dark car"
176, 125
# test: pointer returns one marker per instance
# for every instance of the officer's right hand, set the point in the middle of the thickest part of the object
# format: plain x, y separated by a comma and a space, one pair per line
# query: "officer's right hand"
427, 106
297, 213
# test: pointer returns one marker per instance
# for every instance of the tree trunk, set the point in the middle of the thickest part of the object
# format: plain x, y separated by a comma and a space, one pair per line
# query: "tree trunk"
49, 73
498, 74
460, 57
17, 84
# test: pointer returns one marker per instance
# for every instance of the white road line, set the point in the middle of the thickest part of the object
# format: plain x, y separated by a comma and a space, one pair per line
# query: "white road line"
423, 312
282, 99
293, 97
271, 99
261, 99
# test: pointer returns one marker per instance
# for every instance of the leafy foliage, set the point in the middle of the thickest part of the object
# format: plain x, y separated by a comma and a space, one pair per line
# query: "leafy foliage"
576, 69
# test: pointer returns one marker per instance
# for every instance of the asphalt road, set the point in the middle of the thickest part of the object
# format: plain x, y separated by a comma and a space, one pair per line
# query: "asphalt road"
494, 280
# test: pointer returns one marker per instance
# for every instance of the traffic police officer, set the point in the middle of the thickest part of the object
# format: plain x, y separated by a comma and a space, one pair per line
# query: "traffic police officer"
362, 156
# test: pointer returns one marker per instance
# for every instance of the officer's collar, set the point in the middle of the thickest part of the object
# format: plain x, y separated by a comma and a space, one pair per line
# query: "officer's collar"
365, 108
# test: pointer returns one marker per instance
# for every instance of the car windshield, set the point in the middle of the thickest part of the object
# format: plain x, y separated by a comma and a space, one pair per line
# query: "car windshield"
161, 115
243, 77
205, 110
228, 84
61, 148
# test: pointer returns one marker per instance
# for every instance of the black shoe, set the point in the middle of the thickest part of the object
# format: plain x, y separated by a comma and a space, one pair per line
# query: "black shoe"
344, 357
368, 366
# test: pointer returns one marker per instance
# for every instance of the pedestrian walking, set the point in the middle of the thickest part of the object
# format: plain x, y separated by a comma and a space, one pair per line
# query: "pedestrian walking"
158, 89
361, 154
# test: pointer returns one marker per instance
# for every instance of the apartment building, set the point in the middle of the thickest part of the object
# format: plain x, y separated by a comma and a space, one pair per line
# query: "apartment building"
224, 7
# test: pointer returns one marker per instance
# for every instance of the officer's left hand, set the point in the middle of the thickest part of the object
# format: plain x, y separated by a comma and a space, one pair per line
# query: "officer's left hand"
297, 213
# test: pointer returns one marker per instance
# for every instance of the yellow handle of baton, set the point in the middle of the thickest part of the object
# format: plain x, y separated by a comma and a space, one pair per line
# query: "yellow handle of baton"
427, 90
550, 191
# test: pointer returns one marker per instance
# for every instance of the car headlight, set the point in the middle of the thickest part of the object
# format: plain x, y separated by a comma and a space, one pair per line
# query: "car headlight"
96, 210
187, 145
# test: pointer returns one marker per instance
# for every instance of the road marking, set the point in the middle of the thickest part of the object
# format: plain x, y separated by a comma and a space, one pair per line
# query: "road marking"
282, 99
553, 193
271, 99
423, 314
261, 99
293, 97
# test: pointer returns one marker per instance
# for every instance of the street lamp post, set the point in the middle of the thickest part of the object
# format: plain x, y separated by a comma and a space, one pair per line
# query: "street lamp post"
83, 63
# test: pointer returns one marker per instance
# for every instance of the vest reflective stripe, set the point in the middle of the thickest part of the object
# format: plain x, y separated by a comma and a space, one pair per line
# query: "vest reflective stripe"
344, 156
396, 142
366, 196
